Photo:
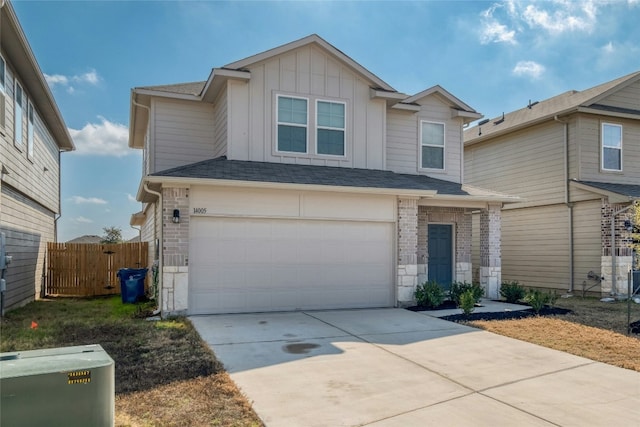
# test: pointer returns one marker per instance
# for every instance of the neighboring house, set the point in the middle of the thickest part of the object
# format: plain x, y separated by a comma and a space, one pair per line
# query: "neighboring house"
87, 238
574, 159
297, 179
32, 135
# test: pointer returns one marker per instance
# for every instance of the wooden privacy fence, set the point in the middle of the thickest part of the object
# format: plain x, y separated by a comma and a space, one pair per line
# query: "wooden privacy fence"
81, 269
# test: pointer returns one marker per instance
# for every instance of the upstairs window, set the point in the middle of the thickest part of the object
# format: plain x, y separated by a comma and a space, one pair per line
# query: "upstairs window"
30, 135
2, 91
330, 128
431, 145
2, 75
611, 147
292, 124
17, 116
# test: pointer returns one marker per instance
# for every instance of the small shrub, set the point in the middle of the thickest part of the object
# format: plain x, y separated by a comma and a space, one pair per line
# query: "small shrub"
538, 299
429, 294
467, 301
459, 288
512, 292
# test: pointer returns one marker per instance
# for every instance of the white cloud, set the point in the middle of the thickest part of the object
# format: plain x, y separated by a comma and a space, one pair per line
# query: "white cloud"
131, 198
79, 200
91, 78
608, 48
102, 139
493, 31
528, 68
84, 220
569, 16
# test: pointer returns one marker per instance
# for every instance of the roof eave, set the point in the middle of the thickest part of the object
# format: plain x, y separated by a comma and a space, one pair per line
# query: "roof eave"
28, 69
611, 195
168, 180
608, 113
217, 80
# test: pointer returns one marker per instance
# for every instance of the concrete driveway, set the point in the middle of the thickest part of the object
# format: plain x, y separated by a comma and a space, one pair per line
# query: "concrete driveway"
393, 367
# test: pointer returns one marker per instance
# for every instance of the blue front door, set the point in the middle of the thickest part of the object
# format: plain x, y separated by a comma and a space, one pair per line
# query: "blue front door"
440, 247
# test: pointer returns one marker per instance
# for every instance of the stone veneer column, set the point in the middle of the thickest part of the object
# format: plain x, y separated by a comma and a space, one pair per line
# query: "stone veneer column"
490, 250
407, 250
175, 252
463, 247
623, 253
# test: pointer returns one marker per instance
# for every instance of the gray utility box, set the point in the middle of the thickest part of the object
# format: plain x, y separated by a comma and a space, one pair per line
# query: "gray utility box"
68, 386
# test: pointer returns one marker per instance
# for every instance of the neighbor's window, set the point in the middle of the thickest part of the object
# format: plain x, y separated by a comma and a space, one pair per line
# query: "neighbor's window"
30, 131
292, 124
330, 126
17, 115
432, 145
611, 147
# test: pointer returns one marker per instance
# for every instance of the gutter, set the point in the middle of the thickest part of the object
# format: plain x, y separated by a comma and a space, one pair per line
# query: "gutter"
567, 202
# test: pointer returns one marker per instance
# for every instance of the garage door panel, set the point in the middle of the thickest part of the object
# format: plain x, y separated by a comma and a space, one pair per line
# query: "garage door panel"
244, 265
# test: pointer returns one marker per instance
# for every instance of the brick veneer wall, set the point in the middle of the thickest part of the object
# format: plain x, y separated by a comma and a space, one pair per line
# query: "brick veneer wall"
175, 252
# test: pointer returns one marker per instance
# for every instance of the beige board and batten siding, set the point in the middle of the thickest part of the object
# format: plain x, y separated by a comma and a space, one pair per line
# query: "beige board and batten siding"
312, 73
589, 137
183, 133
535, 246
271, 250
403, 139
528, 164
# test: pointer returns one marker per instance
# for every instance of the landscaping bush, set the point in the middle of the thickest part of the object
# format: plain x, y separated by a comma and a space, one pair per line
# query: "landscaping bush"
459, 288
467, 301
537, 299
512, 292
429, 294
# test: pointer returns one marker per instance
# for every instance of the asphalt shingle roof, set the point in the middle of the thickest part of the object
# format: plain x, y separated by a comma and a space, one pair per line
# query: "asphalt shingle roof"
224, 169
630, 190
193, 88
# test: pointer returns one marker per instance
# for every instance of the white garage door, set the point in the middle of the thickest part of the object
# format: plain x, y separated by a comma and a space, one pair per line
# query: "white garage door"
252, 265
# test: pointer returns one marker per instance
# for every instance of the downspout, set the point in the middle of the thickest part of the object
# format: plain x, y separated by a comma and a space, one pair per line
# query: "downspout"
613, 247
160, 255
567, 200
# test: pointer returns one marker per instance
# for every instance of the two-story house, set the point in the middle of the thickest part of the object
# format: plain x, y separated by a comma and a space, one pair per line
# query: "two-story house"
574, 159
297, 179
32, 136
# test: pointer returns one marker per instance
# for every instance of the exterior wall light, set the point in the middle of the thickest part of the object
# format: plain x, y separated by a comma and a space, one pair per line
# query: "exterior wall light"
176, 216
628, 225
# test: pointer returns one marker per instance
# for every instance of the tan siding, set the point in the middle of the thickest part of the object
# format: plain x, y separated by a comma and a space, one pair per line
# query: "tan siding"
312, 73
403, 133
629, 97
28, 226
28, 175
528, 164
184, 133
220, 125
589, 137
535, 246
587, 242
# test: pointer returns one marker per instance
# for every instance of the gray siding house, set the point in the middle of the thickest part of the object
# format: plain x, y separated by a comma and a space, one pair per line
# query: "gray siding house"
574, 159
297, 179
32, 136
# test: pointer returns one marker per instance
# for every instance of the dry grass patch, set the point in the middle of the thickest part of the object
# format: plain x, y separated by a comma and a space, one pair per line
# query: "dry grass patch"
204, 401
586, 341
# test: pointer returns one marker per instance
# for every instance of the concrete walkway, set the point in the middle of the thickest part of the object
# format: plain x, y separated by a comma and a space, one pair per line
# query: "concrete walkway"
393, 367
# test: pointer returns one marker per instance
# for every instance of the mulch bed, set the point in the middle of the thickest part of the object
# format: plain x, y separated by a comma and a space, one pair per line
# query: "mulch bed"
501, 315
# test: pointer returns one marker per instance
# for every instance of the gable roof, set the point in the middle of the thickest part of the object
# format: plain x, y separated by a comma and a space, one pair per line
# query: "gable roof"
18, 52
565, 103
86, 239
311, 39
328, 178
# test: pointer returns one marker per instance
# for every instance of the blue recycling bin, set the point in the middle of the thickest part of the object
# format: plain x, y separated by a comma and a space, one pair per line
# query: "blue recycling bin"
132, 284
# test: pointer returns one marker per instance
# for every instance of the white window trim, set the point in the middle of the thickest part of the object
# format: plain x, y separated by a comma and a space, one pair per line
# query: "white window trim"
444, 146
278, 123
18, 143
3, 85
31, 131
344, 130
602, 125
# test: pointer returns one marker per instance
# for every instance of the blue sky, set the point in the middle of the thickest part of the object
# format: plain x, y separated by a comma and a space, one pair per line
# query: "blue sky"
495, 56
